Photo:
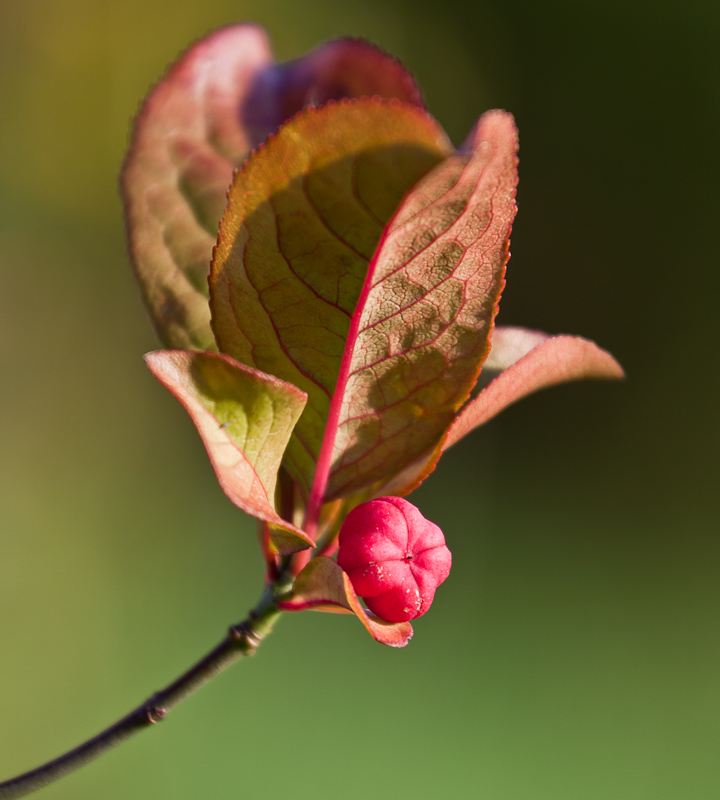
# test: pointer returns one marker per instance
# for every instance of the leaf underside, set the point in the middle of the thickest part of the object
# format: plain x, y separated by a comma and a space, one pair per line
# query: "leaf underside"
303, 220
218, 101
423, 324
530, 361
343, 67
245, 419
323, 586
557, 359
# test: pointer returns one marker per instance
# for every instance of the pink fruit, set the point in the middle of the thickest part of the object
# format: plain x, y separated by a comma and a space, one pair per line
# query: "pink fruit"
394, 557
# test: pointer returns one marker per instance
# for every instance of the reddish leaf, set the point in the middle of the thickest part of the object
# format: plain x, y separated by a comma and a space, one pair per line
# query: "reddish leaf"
220, 99
531, 361
339, 68
244, 418
323, 586
187, 140
303, 220
423, 323
409, 478
556, 359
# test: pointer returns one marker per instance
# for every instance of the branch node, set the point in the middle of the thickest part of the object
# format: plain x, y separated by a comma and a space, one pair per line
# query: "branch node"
244, 635
155, 714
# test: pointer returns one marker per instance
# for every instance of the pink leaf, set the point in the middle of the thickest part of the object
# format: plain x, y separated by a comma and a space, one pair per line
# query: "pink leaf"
557, 359
422, 325
245, 419
339, 68
187, 141
531, 361
217, 102
323, 586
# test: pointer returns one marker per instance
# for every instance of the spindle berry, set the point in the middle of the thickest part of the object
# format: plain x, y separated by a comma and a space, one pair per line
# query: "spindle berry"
394, 557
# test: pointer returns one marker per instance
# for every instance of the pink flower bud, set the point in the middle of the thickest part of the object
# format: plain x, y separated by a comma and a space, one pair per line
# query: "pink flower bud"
394, 557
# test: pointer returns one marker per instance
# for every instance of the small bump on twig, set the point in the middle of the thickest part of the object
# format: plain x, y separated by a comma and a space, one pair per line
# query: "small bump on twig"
155, 714
244, 634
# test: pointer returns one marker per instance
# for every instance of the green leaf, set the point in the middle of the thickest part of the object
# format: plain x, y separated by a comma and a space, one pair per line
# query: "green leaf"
245, 419
423, 324
324, 586
303, 220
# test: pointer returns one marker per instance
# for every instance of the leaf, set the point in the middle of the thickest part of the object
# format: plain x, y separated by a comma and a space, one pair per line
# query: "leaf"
531, 361
423, 323
244, 418
187, 140
217, 102
323, 586
343, 67
303, 220
556, 359
509, 344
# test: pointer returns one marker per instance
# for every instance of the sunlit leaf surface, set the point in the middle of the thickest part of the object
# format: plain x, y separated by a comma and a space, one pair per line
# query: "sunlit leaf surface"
222, 98
245, 419
556, 359
528, 361
304, 218
424, 320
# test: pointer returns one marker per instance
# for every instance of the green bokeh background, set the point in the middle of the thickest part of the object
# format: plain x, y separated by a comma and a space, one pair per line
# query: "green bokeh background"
574, 653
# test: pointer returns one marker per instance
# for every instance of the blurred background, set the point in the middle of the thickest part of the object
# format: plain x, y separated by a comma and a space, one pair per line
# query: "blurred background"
574, 653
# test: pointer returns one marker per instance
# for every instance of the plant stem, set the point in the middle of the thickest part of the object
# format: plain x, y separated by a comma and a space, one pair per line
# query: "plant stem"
242, 639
